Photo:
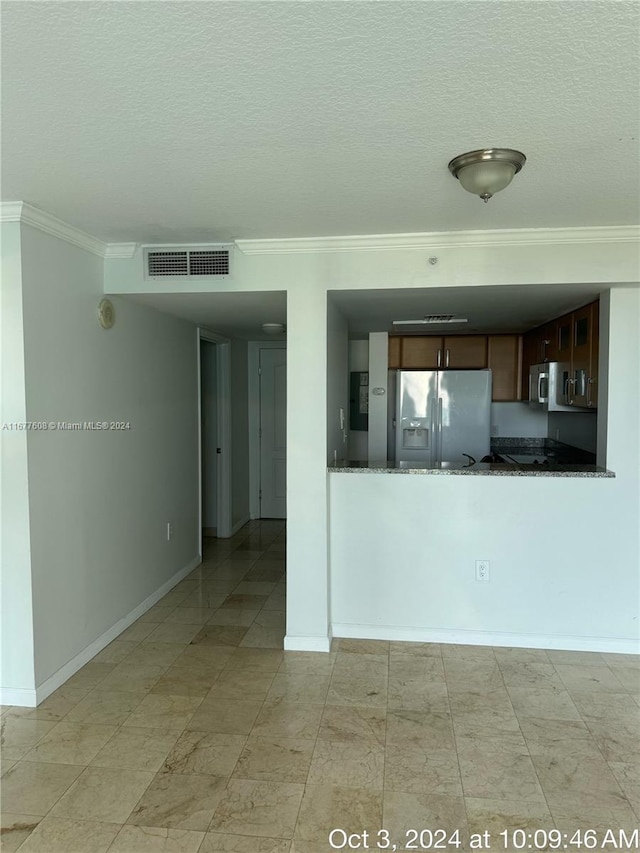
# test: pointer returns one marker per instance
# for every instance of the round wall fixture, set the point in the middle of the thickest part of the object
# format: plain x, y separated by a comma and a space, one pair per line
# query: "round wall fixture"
106, 313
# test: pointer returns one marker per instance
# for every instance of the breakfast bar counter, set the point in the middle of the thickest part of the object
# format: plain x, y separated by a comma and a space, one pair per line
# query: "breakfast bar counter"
492, 469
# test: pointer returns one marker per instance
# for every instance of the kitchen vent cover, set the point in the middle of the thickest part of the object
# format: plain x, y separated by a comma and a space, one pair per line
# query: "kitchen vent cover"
187, 262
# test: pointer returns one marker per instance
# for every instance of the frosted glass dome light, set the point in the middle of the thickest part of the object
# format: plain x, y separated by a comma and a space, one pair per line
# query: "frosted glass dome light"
487, 171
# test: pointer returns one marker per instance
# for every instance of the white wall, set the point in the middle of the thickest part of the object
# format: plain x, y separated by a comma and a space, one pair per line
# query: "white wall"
518, 420
337, 383
307, 273
100, 500
358, 361
565, 553
209, 408
15, 555
239, 433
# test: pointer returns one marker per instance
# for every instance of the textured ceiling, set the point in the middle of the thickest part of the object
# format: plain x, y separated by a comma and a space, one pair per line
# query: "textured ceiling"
198, 121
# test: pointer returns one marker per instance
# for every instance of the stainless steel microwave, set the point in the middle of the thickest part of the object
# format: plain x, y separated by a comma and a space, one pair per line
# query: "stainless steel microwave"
553, 388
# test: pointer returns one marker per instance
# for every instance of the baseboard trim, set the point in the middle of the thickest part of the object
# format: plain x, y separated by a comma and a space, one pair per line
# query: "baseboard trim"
619, 645
71, 667
307, 644
239, 525
20, 696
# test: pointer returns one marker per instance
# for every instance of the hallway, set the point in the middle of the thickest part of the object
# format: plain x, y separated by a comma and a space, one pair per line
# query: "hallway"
194, 732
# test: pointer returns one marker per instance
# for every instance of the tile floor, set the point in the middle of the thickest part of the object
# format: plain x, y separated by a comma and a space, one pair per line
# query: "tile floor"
194, 731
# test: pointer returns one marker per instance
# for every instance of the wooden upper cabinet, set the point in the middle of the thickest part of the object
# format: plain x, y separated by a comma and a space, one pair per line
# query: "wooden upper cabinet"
419, 352
504, 360
564, 329
394, 352
465, 352
584, 351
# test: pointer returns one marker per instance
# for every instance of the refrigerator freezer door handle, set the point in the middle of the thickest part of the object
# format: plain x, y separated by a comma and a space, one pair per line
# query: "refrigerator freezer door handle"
439, 430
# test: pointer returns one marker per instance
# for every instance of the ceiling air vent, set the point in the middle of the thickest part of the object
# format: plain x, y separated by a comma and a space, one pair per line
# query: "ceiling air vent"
187, 262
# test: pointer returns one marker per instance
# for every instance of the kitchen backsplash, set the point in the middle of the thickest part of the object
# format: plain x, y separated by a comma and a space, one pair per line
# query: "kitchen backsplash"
518, 420
575, 429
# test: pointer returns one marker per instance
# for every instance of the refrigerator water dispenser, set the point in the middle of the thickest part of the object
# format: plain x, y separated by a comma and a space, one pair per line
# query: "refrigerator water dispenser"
415, 437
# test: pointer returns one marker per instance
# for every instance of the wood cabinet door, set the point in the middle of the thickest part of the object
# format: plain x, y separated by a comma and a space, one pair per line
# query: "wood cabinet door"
504, 361
420, 352
581, 350
530, 355
394, 352
548, 339
465, 352
564, 336
592, 391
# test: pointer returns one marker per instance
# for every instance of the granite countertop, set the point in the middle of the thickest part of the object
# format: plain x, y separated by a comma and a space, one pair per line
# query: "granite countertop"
564, 461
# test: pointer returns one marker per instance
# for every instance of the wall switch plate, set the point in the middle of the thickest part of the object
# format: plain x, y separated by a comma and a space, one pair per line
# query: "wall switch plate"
482, 570
169, 531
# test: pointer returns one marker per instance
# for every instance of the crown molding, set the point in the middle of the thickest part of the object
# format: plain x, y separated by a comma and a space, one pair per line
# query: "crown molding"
120, 250
443, 239
21, 211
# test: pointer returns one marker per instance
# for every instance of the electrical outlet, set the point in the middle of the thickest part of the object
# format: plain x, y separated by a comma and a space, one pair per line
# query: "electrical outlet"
482, 570
169, 531
495, 430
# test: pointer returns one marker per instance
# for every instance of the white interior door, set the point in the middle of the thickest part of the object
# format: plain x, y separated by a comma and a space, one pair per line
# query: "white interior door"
273, 433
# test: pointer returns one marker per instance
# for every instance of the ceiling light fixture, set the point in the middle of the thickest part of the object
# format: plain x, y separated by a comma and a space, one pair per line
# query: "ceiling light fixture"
487, 171
431, 318
273, 328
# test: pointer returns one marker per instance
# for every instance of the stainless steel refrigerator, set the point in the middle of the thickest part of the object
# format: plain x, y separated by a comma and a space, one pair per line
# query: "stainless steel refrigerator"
442, 415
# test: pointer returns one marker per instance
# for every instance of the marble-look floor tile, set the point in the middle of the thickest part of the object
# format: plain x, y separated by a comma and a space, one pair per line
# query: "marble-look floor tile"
131, 678
627, 775
326, 807
177, 801
364, 692
576, 778
215, 657
275, 759
136, 633
544, 704
116, 651
308, 663
215, 842
90, 675
149, 653
422, 729
403, 812
618, 741
348, 723
628, 676
479, 714
496, 816
287, 719
260, 637
155, 839
220, 635
210, 596
427, 669
18, 735
54, 708
476, 654
205, 753
600, 706
156, 614
258, 808
173, 632
541, 676
104, 707
364, 647
473, 674
584, 678
16, 828
234, 616
498, 767
416, 694
355, 765
541, 733
419, 649
255, 588
61, 835
194, 680
189, 615
71, 743
509, 654
575, 658
305, 689
265, 660
242, 686
34, 787
253, 602
133, 748
350, 665
225, 716
271, 619
164, 711
600, 819
103, 794
417, 770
